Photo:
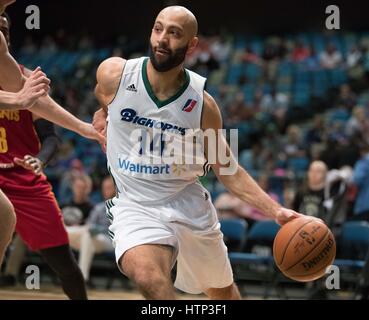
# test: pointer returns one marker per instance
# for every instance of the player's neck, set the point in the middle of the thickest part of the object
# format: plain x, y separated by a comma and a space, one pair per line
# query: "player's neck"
165, 83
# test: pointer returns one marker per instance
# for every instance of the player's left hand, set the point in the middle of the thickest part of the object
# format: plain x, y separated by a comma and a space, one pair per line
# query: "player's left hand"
285, 215
30, 163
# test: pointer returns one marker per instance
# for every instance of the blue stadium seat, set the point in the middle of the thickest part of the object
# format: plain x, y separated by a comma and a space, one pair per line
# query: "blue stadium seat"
249, 265
353, 249
234, 230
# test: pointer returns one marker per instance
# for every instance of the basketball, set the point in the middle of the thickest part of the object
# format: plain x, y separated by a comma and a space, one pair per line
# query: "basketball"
303, 249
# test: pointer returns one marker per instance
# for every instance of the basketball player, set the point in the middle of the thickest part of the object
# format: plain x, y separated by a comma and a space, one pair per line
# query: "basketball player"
12, 80
160, 218
30, 143
36, 86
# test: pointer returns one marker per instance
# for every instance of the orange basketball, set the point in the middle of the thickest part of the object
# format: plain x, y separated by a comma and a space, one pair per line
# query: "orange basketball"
303, 249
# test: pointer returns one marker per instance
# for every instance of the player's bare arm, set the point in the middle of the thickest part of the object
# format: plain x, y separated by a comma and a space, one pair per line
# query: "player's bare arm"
241, 183
11, 78
108, 77
46, 108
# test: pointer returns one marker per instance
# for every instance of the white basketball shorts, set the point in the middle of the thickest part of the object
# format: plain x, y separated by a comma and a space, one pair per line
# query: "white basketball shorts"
188, 222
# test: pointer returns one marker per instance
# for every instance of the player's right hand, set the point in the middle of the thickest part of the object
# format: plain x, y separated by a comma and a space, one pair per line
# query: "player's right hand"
99, 121
88, 131
36, 86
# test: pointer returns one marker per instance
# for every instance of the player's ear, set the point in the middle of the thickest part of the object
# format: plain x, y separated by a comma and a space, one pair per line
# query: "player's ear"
192, 45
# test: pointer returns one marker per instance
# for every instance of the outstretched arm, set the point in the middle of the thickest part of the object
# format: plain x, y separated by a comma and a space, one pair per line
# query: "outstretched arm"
46, 108
240, 183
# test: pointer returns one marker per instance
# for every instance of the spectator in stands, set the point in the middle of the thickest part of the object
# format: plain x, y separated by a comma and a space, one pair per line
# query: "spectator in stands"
300, 52
276, 104
361, 180
293, 146
353, 57
238, 111
310, 199
330, 58
312, 61
77, 211
346, 98
220, 49
316, 133
250, 57
73, 167
331, 153
93, 237
358, 123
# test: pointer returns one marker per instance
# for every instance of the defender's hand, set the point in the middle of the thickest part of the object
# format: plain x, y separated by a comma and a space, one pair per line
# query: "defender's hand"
30, 163
36, 86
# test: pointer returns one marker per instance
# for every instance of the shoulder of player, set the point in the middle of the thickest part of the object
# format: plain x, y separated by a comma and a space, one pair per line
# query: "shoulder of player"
211, 116
108, 77
110, 68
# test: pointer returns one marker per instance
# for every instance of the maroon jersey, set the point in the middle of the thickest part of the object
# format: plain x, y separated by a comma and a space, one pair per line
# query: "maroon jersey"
39, 219
17, 136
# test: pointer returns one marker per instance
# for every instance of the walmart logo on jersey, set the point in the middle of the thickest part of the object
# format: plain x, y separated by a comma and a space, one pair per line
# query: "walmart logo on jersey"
130, 115
130, 166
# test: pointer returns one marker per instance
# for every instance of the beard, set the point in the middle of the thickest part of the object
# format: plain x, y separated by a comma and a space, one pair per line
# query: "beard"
174, 58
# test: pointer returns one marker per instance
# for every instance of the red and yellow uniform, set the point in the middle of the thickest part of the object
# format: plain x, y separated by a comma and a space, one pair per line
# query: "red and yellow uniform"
39, 219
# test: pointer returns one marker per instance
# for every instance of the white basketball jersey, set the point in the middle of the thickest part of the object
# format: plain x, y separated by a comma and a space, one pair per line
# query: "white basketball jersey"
144, 133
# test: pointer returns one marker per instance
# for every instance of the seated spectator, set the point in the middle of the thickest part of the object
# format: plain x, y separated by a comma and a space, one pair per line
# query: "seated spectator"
358, 123
353, 57
317, 198
77, 211
300, 52
250, 57
310, 199
346, 98
361, 180
312, 61
317, 132
293, 146
220, 48
330, 58
93, 237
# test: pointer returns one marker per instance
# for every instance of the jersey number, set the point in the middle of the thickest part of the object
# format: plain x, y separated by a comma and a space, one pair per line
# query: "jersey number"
157, 144
3, 142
